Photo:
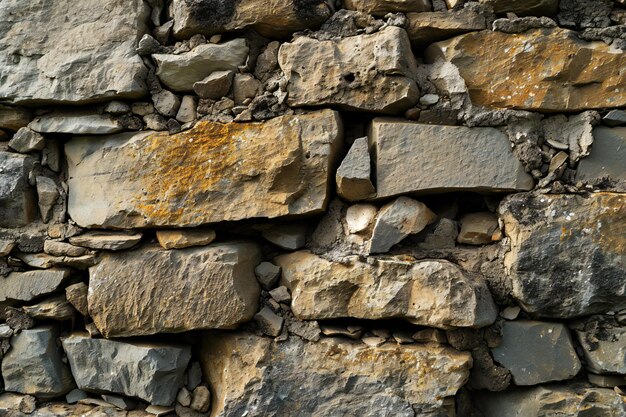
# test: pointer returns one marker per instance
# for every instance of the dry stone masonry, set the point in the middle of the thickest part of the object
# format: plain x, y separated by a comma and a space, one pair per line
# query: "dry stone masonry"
315, 208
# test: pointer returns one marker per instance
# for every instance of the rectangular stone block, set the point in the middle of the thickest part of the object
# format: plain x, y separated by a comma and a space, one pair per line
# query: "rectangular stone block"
18, 202
211, 173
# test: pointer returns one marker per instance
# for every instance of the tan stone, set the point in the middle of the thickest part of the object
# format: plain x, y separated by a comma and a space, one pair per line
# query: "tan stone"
178, 239
540, 69
477, 228
333, 376
524, 7
426, 28
382, 7
430, 293
210, 173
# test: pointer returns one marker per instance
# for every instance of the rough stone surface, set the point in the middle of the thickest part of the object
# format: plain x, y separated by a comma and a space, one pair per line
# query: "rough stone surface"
267, 274
181, 72
608, 156
272, 18
269, 322
478, 228
567, 252
382, 7
426, 28
430, 293
27, 286
65, 52
524, 7
106, 240
127, 296
215, 86
353, 175
332, 377
179, 239
366, 72
412, 157
289, 236
13, 117
26, 140
33, 365
76, 294
18, 203
604, 345
536, 352
496, 78
79, 124
140, 180
152, 372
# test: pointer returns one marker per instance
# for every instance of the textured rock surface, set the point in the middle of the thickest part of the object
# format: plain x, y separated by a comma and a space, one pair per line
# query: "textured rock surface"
78, 124
33, 365
382, 7
333, 377
354, 173
231, 173
524, 7
106, 240
412, 157
608, 156
152, 372
426, 28
430, 293
604, 344
127, 296
567, 252
18, 205
27, 286
64, 51
179, 239
574, 75
13, 117
271, 18
366, 72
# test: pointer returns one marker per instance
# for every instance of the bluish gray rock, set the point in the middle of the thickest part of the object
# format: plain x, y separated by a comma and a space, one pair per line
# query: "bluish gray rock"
18, 202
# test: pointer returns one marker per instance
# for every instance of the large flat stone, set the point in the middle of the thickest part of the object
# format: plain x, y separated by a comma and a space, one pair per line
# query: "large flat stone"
333, 377
567, 252
18, 202
608, 156
429, 293
153, 290
34, 366
366, 72
27, 286
152, 372
418, 158
540, 69
271, 18
426, 28
211, 173
76, 123
71, 52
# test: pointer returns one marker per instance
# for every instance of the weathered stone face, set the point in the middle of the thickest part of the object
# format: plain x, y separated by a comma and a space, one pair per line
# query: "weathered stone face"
211, 173
426, 28
152, 372
27, 286
412, 157
332, 377
524, 7
429, 293
66, 51
153, 290
604, 344
382, 7
567, 252
608, 156
367, 72
18, 203
271, 18
502, 70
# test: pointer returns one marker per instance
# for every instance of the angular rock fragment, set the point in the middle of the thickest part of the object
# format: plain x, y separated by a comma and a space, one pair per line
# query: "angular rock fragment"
615, 118
524, 7
152, 372
55, 308
45, 261
267, 274
478, 228
13, 118
426, 28
353, 176
366, 72
18, 204
76, 294
506, 75
382, 7
106, 240
607, 158
47, 196
430, 293
207, 287
181, 72
15, 402
269, 322
33, 365
412, 157
604, 345
536, 352
179, 239
290, 236
27, 286
210, 173
215, 86
77, 124
69, 52
330, 377
26, 140
567, 252
272, 19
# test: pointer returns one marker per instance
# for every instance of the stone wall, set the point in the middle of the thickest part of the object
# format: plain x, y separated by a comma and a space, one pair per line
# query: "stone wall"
313, 208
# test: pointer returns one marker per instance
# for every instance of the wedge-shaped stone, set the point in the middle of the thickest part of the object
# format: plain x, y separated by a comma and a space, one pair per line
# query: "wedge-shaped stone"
65, 51
152, 372
540, 69
603, 341
211, 173
382, 7
27, 286
18, 203
153, 290
426, 28
366, 72
271, 18
567, 252
332, 377
524, 7
417, 158
430, 293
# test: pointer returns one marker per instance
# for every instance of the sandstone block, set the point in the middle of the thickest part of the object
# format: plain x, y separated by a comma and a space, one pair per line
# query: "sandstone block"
607, 157
382, 7
106, 240
524, 7
426, 28
478, 228
179, 239
210, 173
207, 287
353, 176
18, 203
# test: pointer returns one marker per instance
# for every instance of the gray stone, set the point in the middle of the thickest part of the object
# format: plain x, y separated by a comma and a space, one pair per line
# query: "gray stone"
107, 240
245, 86
287, 236
536, 352
34, 366
26, 140
382, 7
608, 156
280, 294
413, 157
142, 108
127, 296
78, 124
117, 107
155, 122
604, 345
566, 259
575, 132
201, 399
13, 118
75, 395
269, 322
331, 72
5, 331
152, 372
606, 381
45, 261
194, 375
65, 52
148, 45
184, 397
524, 7
180, 72
429, 27
76, 294
122, 403
187, 110
443, 236
166, 103
522, 24
354, 173
332, 377
18, 203
26, 286
396, 220
215, 86
54, 248
159, 411
615, 118
267, 274
47, 195
478, 228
